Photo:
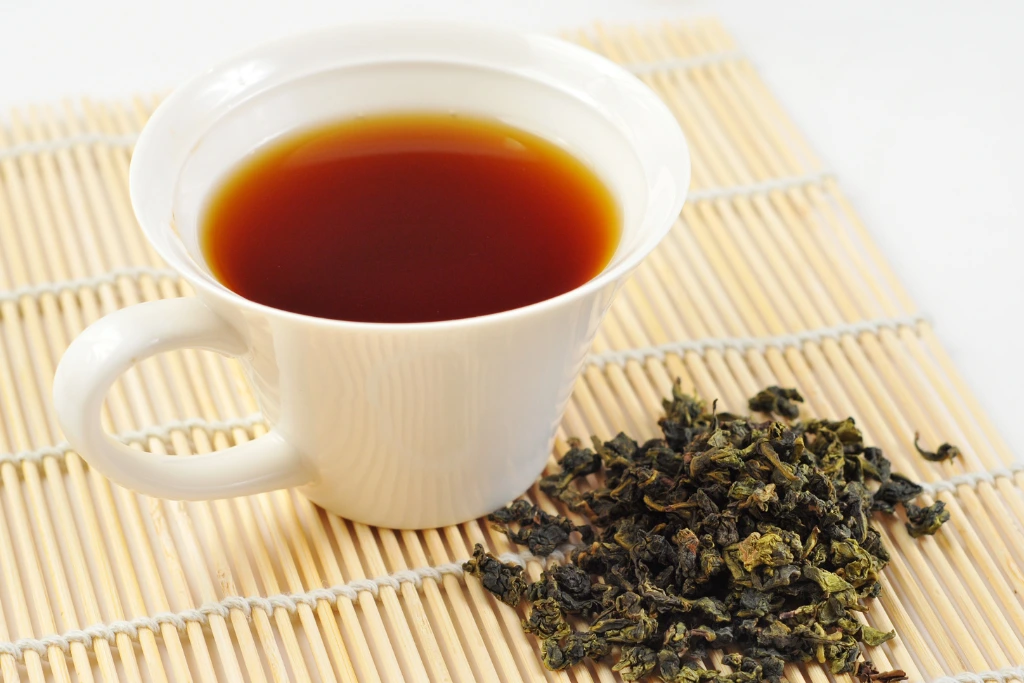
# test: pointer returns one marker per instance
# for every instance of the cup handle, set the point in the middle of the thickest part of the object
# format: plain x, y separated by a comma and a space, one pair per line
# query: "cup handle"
111, 346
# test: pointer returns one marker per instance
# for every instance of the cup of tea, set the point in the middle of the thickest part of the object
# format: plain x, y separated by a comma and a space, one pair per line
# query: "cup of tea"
408, 234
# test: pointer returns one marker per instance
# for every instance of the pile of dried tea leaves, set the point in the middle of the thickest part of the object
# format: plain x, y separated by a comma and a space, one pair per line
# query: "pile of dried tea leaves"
730, 532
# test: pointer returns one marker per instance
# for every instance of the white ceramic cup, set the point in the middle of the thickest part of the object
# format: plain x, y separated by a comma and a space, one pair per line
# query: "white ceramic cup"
401, 425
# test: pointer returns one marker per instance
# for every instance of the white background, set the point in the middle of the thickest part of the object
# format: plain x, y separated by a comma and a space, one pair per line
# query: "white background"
916, 104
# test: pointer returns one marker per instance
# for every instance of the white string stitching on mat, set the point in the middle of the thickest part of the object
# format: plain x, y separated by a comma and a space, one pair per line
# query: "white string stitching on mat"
757, 343
972, 479
107, 278
65, 143
161, 432
763, 187
289, 602
247, 423
950, 485
1010, 673
680, 63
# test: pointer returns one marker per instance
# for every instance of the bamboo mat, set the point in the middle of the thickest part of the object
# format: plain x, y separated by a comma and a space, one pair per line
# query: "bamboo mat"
768, 278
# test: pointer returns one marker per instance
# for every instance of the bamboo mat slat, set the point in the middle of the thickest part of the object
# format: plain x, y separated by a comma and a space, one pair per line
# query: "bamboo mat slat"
769, 277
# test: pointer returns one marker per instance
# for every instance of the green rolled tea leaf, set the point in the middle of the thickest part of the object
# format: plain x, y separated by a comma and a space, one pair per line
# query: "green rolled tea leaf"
505, 580
874, 637
539, 531
777, 401
728, 532
944, 452
925, 521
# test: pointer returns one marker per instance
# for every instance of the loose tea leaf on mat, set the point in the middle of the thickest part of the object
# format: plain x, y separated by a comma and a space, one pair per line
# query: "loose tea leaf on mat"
778, 401
944, 452
726, 533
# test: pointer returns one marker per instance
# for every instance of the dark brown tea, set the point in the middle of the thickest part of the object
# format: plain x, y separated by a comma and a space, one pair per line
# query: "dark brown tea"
409, 218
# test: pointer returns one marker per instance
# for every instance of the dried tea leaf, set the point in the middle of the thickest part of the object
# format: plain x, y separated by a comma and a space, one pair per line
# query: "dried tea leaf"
866, 672
635, 662
568, 585
729, 531
572, 649
577, 462
546, 620
873, 637
828, 582
503, 579
876, 465
925, 521
897, 490
539, 531
944, 452
777, 401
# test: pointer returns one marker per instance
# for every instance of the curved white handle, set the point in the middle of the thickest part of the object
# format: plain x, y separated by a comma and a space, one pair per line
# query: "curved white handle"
116, 342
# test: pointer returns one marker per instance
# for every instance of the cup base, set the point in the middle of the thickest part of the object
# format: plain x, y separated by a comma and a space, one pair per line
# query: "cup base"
431, 512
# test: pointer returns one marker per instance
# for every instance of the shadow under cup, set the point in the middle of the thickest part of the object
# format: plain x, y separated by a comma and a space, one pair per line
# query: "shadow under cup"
427, 424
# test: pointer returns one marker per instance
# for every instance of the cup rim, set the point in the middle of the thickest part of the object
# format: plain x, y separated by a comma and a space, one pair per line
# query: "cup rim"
660, 127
